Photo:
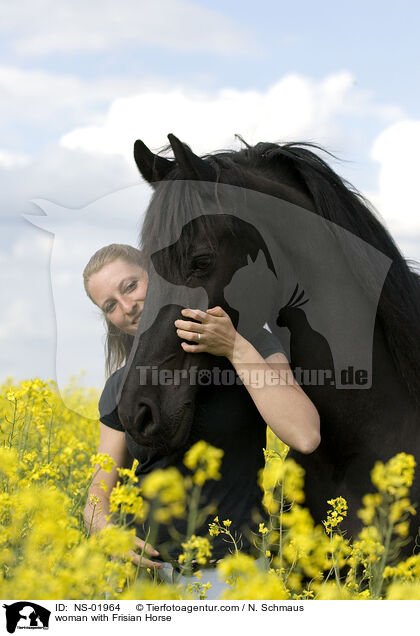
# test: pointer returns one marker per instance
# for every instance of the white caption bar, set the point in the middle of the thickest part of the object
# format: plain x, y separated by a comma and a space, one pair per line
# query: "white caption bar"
161, 617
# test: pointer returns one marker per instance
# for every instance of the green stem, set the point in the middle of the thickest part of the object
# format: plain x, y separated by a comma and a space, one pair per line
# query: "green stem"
13, 423
192, 513
26, 424
49, 438
91, 520
290, 569
146, 540
281, 526
379, 570
233, 540
337, 578
192, 523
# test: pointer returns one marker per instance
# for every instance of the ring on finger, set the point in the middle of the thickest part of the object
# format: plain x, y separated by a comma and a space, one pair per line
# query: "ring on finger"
198, 336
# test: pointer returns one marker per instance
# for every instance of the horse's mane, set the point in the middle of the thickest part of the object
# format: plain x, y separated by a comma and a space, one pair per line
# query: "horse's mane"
296, 165
338, 201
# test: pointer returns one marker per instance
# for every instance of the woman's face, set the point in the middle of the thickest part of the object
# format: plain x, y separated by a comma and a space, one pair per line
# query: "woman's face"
119, 289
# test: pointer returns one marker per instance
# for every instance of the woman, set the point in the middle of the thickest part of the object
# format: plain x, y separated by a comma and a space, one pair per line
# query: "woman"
116, 281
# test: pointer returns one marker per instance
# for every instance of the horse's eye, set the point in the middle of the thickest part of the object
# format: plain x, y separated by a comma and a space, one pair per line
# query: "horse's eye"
201, 262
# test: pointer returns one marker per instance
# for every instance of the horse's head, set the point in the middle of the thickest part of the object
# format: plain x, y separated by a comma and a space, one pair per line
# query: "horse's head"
194, 246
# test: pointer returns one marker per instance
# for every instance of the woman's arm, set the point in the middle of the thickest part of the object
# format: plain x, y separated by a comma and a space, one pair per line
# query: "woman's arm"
282, 403
112, 443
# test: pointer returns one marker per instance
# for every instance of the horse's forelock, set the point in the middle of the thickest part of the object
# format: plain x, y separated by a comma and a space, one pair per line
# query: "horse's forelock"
172, 208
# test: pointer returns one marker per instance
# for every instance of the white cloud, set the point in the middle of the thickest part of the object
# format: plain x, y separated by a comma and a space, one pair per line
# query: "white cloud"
11, 159
41, 28
54, 102
26, 312
28, 252
295, 107
73, 178
14, 321
397, 198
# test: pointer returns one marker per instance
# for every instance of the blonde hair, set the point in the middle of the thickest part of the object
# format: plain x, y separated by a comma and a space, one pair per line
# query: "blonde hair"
118, 343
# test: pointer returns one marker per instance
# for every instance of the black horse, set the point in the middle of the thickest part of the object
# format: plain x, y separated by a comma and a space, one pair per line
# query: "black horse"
332, 258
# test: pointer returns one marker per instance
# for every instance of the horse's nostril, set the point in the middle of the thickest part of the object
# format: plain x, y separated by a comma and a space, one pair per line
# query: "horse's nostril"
142, 409
143, 415
187, 413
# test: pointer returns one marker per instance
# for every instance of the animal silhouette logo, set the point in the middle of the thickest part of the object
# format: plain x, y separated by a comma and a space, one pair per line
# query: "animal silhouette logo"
26, 615
76, 235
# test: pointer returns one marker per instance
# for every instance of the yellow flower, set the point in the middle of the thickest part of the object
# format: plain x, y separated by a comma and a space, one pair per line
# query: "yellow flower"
236, 565
400, 508
103, 485
104, 461
396, 476
404, 592
368, 547
166, 488
128, 498
371, 502
130, 473
281, 480
330, 591
214, 529
204, 460
8, 462
402, 529
408, 569
336, 515
197, 548
273, 472
247, 580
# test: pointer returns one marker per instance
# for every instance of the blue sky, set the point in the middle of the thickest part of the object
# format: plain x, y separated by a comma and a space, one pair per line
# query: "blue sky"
79, 81
376, 41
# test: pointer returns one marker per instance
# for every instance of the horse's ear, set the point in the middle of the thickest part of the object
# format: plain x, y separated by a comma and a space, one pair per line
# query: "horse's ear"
152, 167
192, 166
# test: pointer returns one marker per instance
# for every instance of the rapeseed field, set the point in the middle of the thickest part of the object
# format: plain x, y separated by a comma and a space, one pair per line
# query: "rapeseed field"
48, 460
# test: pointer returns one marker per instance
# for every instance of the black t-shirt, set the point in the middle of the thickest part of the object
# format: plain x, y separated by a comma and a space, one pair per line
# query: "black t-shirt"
225, 417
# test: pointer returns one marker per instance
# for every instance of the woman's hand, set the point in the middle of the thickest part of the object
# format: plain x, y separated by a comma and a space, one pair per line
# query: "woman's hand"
137, 559
214, 333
